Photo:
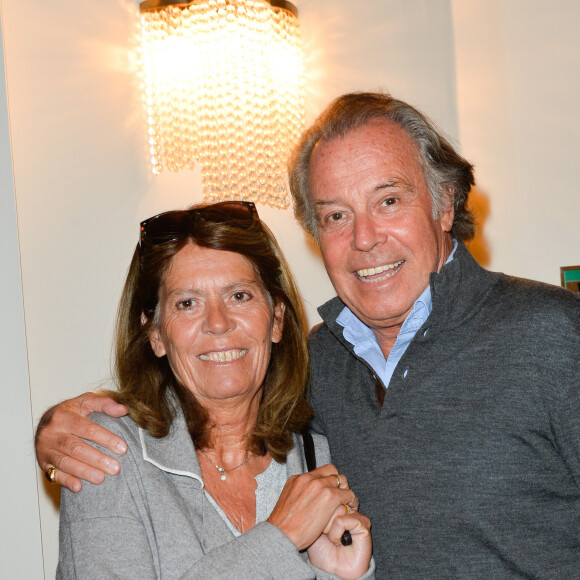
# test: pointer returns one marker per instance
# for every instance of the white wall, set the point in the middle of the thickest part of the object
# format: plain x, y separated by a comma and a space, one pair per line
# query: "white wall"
20, 545
82, 181
518, 82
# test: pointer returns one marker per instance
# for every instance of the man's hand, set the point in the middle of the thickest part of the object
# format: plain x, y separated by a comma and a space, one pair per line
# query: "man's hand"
59, 441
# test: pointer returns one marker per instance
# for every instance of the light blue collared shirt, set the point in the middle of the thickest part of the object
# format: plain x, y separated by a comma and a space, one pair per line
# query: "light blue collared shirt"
365, 343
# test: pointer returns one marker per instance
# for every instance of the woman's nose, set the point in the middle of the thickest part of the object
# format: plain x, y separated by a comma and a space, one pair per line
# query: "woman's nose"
217, 318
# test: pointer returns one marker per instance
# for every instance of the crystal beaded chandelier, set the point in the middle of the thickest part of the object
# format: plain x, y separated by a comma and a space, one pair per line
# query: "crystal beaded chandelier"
223, 85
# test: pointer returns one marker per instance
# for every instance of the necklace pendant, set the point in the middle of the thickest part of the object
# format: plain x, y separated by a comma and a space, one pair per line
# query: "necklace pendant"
222, 471
223, 476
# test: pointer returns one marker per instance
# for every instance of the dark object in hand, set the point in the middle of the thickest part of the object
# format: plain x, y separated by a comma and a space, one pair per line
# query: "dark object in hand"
310, 455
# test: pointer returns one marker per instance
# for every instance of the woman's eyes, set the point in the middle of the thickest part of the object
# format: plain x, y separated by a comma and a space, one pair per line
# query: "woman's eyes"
241, 296
237, 297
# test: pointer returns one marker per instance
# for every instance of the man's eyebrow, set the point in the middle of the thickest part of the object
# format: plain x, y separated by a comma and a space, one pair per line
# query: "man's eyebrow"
388, 183
324, 203
392, 183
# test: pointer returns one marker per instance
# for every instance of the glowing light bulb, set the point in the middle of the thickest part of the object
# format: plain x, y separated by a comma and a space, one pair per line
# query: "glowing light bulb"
223, 87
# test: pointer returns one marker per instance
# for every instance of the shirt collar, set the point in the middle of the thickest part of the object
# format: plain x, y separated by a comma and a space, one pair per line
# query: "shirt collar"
357, 332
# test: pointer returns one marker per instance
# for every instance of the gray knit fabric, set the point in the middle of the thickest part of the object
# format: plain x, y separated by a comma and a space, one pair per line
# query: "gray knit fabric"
472, 467
153, 520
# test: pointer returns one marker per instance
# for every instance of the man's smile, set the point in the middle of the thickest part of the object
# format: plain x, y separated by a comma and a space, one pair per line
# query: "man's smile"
374, 274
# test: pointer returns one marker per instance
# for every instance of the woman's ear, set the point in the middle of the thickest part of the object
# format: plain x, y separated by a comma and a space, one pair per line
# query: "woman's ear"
278, 322
154, 338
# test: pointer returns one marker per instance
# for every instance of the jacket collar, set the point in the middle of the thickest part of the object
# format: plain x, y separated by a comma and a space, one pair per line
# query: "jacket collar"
457, 291
173, 453
176, 454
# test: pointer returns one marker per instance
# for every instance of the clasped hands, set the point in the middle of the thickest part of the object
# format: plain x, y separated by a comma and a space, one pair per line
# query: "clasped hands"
311, 511
314, 510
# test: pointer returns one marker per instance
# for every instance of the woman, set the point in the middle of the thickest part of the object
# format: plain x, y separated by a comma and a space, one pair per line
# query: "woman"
211, 362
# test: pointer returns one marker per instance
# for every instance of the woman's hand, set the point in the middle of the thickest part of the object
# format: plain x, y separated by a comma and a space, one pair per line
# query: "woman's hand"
347, 562
308, 503
59, 441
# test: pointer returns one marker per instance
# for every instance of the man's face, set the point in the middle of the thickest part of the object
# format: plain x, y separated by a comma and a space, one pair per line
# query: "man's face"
377, 235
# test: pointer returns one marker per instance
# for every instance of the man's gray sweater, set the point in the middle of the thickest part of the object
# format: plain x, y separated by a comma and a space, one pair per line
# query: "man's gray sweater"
471, 469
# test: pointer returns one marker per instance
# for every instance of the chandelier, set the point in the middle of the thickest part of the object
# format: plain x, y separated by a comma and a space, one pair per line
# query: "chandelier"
223, 87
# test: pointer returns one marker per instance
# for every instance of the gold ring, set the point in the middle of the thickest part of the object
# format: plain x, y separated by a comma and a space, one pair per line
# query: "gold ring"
347, 509
49, 474
338, 480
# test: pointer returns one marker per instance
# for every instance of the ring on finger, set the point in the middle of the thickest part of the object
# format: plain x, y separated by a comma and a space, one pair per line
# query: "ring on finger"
338, 480
347, 509
49, 474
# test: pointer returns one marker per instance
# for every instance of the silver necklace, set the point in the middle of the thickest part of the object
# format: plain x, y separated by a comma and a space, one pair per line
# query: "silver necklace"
223, 470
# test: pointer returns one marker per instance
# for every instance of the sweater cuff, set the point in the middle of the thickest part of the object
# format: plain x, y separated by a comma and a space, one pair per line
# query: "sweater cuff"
323, 575
277, 552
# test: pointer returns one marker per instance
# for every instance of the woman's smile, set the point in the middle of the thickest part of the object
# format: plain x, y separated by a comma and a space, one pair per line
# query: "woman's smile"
223, 355
216, 324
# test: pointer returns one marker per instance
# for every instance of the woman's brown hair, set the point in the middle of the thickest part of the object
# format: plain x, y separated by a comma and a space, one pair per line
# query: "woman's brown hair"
146, 383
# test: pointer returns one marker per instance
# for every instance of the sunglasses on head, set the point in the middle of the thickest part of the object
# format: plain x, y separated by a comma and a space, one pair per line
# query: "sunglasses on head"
171, 225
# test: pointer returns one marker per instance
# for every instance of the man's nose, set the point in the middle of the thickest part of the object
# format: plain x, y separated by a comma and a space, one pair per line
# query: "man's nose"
367, 233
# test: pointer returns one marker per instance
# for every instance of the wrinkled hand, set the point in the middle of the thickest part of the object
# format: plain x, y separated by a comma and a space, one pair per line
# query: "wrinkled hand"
347, 562
59, 440
308, 503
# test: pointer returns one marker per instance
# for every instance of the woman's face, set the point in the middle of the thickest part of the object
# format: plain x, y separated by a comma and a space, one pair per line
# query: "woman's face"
216, 325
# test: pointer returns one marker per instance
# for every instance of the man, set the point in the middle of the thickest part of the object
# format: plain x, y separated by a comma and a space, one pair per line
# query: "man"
449, 394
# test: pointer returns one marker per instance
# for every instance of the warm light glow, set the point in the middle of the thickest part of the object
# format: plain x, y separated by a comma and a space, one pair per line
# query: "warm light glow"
224, 88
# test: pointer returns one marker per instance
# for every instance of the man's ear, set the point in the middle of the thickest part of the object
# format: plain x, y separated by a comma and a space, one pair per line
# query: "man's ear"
278, 322
154, 338
448, 214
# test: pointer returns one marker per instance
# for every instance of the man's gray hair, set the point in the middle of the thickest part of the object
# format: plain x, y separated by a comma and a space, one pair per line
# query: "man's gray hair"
446, 172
